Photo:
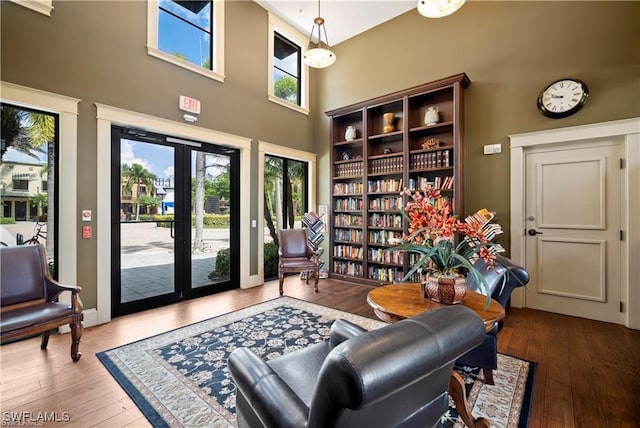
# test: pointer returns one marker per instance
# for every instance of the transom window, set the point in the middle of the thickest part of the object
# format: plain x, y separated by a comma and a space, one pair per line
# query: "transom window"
286, 69
189, 34
288, 76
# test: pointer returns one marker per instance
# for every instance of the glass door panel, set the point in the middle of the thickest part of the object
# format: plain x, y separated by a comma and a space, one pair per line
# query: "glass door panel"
147, 245
210, 219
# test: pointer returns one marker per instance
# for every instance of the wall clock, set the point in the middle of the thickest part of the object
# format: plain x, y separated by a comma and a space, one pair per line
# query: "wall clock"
562, 98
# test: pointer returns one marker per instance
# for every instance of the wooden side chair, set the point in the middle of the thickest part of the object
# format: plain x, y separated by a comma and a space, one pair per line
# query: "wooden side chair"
30, 298
297, 256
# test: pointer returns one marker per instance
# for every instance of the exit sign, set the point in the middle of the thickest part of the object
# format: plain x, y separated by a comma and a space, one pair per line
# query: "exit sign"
190, 105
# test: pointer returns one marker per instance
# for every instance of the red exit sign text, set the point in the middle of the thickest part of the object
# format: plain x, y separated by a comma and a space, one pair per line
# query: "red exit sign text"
190, 105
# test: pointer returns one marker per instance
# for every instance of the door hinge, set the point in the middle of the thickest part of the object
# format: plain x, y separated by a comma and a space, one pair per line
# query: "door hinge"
622, 235
621, 163
621, 307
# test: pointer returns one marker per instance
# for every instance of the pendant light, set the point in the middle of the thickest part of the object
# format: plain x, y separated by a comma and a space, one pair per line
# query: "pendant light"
438, 8
319, 55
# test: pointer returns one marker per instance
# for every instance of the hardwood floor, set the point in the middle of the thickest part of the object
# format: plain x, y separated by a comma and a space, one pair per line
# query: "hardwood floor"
588, 372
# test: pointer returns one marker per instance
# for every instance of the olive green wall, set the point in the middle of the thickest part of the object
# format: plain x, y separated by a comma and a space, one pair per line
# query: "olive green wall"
510, 51
96, 51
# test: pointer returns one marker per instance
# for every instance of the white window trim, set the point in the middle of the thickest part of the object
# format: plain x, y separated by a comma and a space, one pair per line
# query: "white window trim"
285, 152
281, 27
218, 36
41, 6
67, 110
107, 116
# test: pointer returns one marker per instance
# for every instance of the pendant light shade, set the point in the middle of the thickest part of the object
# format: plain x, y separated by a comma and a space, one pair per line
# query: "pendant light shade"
319, 54
438, 8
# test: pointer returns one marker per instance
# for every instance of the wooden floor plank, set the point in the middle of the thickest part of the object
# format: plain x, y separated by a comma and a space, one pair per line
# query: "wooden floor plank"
579, 361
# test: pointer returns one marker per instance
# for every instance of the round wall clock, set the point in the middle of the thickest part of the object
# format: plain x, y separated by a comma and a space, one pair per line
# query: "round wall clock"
562, 98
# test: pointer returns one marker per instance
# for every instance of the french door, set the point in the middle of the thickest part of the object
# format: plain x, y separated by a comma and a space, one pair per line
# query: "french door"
175, 231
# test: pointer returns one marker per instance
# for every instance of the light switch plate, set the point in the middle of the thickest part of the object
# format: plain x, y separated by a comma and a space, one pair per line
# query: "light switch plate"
491, 149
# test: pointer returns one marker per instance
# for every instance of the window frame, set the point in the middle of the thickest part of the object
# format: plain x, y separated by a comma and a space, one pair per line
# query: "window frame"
41, 6
217, 61
276, 25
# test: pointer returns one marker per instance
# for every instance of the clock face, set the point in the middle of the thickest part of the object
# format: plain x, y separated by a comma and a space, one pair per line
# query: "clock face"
562, 98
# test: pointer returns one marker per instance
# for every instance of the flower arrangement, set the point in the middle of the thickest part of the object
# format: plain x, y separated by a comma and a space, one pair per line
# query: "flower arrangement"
431, 234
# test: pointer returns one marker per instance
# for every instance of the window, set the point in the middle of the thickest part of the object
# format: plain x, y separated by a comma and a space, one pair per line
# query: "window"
189, 34
286, 69
20, 184
288, 76
42, 6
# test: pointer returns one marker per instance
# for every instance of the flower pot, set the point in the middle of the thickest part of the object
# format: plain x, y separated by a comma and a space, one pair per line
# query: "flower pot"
445, 289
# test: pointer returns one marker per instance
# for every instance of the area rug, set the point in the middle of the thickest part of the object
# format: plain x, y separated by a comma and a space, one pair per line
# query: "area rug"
180, 378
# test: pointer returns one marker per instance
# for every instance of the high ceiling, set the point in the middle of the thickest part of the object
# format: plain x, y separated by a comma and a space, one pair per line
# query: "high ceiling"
343, 18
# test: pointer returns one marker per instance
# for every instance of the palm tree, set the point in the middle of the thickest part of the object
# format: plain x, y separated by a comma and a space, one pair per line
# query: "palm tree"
137, 175
218, 163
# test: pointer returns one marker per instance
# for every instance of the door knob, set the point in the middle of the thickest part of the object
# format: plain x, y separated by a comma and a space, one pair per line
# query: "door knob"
533, 232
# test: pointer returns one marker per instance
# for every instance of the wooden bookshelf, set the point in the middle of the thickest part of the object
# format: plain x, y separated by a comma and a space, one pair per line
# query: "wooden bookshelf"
369, 171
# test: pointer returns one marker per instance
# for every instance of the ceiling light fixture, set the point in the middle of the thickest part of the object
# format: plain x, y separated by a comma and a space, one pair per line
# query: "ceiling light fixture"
438, 8
319, 55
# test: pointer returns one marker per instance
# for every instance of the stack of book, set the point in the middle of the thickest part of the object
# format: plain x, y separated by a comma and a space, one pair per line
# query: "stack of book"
315, 228
491, 230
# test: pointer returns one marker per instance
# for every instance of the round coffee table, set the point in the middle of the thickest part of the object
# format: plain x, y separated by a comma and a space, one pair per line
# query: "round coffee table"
395, 302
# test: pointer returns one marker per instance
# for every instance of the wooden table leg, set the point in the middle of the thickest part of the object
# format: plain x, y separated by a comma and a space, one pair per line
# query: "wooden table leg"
459, 396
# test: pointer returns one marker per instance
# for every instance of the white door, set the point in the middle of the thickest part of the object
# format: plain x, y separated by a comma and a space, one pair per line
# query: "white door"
573, 222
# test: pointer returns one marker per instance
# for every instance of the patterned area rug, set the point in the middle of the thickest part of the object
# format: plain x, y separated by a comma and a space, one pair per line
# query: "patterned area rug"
180, 378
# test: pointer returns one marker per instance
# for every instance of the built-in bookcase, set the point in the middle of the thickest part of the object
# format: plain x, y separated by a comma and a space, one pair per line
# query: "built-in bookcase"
391, 149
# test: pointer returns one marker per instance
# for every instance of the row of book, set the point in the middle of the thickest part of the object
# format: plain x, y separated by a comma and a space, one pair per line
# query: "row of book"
353, 188
439, 159
439, 182
313, 222
385, 220
347, 220
393, 164
379, 255
347, 268
384, 237
348, 235
348, 204
386, 204
349, 169
385, 274
389, 185
347, 251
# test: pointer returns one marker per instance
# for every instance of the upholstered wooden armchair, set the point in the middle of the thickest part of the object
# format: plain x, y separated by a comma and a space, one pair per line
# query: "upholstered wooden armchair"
296, 256
502, 280
29, 298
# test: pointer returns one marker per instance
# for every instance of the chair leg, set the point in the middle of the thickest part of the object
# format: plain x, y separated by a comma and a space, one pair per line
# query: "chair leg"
316, 275
281, 281
76, 333
488, 376
45, 340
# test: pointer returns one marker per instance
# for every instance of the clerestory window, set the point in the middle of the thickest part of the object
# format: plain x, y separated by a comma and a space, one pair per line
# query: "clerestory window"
189, 34
288, 76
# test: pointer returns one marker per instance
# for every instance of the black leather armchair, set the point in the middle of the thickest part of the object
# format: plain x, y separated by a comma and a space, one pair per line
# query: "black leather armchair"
397, 375
502, 280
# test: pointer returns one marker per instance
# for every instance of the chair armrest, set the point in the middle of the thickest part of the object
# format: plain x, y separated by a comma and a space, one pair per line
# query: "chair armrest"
342, 330
271, 399
54, 289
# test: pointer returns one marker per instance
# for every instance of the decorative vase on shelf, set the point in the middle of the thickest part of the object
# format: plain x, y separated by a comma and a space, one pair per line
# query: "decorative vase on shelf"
449, 290
387, 120
431, 116
350, 133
